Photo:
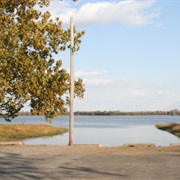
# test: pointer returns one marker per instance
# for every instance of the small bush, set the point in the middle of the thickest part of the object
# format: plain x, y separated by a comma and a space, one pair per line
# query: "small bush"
173, 128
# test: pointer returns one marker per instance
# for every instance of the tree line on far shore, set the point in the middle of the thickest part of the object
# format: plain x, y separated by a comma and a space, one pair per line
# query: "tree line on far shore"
115, 113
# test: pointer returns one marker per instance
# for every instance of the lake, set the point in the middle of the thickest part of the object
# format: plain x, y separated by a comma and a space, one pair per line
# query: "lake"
106, 130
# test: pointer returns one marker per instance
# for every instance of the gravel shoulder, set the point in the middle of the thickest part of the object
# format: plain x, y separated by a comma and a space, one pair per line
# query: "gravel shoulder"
88, 162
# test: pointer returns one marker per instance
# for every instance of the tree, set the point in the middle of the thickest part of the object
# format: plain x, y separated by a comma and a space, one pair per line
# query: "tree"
28, 71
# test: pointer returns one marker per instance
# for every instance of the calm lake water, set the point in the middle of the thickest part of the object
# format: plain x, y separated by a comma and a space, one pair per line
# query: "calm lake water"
106, 130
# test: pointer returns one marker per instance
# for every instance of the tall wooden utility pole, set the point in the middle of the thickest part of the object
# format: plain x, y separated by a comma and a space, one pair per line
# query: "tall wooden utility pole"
71, 116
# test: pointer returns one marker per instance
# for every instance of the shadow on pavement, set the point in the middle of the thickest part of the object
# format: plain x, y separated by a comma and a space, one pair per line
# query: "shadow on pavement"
80, 170
44, 164
14, 166
22, 166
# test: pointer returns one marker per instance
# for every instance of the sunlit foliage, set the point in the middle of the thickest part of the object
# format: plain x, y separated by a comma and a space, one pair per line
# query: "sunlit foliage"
28, 71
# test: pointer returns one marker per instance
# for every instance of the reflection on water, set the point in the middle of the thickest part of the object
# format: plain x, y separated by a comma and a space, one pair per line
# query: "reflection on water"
111, 136
107, 130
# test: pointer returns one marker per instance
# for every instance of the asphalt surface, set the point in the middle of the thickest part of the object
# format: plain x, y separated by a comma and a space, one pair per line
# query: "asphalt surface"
42, 162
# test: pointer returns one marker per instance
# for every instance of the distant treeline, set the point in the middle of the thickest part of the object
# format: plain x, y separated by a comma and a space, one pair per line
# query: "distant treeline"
117, 113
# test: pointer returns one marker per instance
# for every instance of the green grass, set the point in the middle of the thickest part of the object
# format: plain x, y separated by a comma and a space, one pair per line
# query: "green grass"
173, 128
15, 132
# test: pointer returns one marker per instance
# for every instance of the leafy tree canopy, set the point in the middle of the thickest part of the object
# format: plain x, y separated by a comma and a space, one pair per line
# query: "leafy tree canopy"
28, 71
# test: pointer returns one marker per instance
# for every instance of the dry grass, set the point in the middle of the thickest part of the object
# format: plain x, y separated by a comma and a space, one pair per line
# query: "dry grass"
14, 132
173, 128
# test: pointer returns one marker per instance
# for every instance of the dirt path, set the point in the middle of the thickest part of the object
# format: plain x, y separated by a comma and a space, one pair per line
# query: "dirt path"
89, 162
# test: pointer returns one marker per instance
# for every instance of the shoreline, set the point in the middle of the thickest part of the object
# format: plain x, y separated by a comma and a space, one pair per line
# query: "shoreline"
91, 145
130, 149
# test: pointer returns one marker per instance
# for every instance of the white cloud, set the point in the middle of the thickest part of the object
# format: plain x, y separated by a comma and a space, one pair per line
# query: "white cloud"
127, 95
99, 82
115, 83
126, 12
159, 25
89, 73
139, 94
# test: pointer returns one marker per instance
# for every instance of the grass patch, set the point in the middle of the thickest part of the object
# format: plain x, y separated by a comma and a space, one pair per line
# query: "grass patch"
15, 132
173, 128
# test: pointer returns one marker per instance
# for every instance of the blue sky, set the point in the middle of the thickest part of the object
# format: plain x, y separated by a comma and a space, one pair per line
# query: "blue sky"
130, 55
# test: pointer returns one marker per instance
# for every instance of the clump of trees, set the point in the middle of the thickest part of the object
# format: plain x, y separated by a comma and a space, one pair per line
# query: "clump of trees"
28, 71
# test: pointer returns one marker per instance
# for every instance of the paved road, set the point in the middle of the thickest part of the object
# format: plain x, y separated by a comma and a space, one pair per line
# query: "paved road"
23, 162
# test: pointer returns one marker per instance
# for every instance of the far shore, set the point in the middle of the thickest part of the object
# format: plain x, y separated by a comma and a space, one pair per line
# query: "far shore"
115, 113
